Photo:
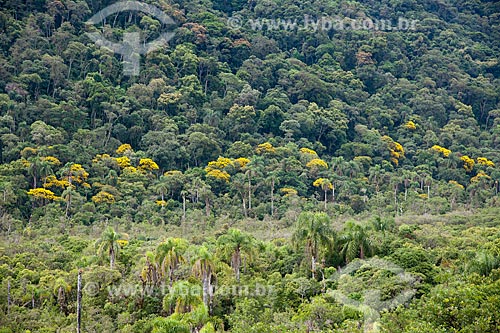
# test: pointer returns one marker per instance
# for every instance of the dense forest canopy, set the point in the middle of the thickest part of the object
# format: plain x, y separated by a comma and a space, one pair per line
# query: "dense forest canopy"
250, 153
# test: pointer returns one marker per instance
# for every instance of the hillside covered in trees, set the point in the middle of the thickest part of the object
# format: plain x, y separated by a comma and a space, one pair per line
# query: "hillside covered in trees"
248, 164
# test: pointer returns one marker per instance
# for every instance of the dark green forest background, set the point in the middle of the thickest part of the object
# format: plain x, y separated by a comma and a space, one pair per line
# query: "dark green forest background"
240, 157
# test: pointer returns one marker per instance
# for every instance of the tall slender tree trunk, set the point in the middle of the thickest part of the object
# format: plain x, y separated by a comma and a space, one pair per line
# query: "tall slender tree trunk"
68, 204
326, 197
170, 277
61, 298
207, 206
8, 296
272, 197
184, 207
111, 257
206, 289
249, 192
313, 267
79, 302
237, 264
244, 206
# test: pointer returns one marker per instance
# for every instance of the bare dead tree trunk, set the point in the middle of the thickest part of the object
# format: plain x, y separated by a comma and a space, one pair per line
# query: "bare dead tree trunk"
79, 302
272, 197
313, 267
249, 193
184, 207
326, 197
207, 206
8, 296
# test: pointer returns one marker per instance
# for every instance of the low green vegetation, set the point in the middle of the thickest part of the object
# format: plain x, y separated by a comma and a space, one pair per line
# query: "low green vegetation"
251, 180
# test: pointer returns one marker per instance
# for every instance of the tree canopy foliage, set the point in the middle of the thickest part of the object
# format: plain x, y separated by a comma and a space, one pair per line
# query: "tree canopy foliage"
241, 157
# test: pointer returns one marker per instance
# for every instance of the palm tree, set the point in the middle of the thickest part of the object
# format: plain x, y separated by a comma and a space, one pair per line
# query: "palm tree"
184, 193
151, 272
111, 178
254, 168
184, 296
271, 182
45, 170
109, 243
353, 168
407, 177
204, 268
376, 176
383, 225
169, 255
205, 193
355, 242
33, 169
62, 288
67, 195
239, 184
338, 165
233, 244
313, 231
483, 263
325, 186
162, 187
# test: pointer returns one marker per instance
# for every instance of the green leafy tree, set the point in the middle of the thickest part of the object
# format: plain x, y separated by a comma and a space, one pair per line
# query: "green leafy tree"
108, 243
355, 242
233, 245
313, 232
204, 268
169, 254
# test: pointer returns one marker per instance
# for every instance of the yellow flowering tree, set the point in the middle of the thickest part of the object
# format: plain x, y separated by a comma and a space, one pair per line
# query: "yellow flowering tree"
219, 174
124, 149
215, 169
410, 125
308, 152
42, 194
265, 148
481, 176
103, 197
445, 152
325, 185
220, 164
396, 150
123, 162
317, 163
147, 164
54, 161
484, 161
77, 173
101, 157
52, 181
468, 163
288, 191
241, 162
